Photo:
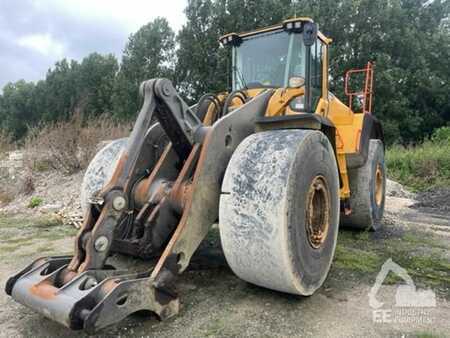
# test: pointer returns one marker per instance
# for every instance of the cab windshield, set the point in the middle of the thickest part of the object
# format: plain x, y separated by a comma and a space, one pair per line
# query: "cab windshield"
268, 60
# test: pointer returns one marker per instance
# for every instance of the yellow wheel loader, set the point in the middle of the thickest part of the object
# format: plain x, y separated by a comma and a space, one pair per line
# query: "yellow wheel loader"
278, 162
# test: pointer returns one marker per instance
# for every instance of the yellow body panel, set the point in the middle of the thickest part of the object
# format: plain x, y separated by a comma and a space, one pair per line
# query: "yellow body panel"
280, 100
348, 125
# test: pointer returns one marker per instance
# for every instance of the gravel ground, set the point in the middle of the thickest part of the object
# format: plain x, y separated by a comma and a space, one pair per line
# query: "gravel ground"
215, 303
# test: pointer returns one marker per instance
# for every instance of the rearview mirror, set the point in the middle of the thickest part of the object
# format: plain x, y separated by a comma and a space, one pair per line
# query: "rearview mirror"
309, 33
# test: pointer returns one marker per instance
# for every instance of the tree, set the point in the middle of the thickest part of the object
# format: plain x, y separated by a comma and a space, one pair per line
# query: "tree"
61, 90
95, 82
69, 87
408, 41
85, 87
148, 54
16, 107
199, 68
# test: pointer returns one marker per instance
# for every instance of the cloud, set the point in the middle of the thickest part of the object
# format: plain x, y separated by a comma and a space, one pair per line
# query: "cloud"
42, 43
36, 33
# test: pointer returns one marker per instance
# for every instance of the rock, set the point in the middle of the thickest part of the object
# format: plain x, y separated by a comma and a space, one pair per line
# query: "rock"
51, 207
395, 189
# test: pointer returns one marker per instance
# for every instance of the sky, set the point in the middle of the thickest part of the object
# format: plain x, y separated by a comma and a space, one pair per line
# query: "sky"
34, 34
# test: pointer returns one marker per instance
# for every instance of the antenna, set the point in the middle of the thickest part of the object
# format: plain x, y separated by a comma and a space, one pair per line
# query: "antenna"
295, 7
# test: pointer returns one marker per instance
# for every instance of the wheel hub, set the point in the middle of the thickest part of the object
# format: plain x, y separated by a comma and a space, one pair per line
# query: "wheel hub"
317, 211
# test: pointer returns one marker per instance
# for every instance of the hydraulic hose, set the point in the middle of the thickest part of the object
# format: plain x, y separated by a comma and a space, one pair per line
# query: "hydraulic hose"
235, 94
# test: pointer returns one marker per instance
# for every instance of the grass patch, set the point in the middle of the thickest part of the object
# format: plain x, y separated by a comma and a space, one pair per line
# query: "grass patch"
427, 335
12, 247
356, 260
20, 232
35, 201
214, 328
46, 222
423, 166
421, 254
44, 248
420, 239
22, 222
427, 267
15, 240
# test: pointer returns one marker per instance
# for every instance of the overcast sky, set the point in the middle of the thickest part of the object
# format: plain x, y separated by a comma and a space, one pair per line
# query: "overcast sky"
36, 33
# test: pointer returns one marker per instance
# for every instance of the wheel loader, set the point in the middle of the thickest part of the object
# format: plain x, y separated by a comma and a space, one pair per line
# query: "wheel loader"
277, 161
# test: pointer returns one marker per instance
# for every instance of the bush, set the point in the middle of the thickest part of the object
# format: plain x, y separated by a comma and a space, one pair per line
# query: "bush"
424, 166
441, 135
35, 201
69, 146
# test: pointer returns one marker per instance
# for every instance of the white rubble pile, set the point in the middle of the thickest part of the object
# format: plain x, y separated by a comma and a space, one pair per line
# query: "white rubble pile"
395, 189
60, 195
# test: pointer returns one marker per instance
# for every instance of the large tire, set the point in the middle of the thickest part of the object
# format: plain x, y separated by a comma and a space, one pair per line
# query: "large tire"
271, 182
100, 170
367, 189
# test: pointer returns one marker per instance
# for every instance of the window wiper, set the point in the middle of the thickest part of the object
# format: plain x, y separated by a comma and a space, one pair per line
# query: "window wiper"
241, 77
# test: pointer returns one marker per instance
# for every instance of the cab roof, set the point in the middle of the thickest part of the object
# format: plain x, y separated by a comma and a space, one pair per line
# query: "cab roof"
289, 24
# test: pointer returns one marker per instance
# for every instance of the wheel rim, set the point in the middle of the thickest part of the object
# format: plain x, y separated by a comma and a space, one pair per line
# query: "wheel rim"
317, 212
379, 185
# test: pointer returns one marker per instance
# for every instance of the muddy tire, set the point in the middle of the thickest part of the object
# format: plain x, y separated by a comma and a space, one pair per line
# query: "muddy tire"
279, 210
367, 188
100, 170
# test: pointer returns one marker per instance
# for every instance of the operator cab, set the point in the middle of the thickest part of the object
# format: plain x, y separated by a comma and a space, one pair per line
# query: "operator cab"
290, 55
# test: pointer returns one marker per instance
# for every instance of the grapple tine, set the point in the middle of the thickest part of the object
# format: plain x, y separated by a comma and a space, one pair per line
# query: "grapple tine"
55, 260
127, 297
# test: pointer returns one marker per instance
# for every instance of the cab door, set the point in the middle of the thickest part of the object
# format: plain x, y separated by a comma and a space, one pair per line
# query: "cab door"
319, 78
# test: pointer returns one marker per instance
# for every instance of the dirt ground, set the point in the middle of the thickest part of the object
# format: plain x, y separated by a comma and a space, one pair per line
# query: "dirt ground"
215, 303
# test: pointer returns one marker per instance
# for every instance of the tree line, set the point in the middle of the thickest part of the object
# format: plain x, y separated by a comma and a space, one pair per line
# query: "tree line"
409, 40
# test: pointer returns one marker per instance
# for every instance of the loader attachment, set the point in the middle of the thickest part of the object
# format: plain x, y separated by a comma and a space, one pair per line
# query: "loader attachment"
92, 299
164, 209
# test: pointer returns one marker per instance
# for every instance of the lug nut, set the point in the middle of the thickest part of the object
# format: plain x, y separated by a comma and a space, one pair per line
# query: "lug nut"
101, 243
